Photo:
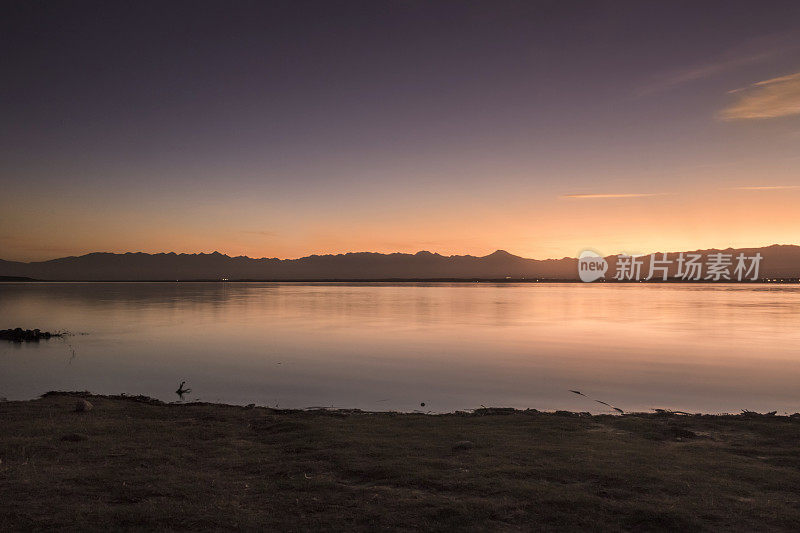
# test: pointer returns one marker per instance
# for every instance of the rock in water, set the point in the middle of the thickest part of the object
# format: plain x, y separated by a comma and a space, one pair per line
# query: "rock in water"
463, 445
83, 406
26, 335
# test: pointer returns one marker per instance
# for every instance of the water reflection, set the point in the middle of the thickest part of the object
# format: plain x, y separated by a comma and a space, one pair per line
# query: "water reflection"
393, 346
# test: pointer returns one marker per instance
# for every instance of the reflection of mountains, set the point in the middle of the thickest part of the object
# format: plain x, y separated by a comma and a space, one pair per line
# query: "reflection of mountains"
778, 261
270, 306
108, 297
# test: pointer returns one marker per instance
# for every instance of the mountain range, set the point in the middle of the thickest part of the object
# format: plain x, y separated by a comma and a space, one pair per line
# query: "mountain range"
779, 261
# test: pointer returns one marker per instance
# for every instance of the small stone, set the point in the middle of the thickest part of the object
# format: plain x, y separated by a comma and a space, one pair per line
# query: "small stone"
74, 437
463, 445
83, 405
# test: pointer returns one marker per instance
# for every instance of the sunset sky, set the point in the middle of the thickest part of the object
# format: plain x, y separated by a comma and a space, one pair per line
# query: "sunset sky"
283, 129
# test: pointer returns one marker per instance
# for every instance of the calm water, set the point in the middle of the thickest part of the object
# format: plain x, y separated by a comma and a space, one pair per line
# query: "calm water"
711, 348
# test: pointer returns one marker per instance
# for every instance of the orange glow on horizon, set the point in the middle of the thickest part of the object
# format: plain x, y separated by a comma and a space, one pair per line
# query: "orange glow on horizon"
541, 229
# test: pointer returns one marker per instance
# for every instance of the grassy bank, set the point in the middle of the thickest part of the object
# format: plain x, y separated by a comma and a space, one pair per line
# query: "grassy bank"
130, 464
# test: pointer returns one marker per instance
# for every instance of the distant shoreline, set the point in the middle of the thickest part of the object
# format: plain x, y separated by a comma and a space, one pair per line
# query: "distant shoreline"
13, 279
781, 262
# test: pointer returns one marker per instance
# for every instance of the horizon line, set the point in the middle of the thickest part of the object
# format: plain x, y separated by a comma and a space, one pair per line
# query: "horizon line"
218, 253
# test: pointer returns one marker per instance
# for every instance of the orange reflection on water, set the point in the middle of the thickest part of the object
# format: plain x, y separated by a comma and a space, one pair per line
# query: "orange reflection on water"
386, 346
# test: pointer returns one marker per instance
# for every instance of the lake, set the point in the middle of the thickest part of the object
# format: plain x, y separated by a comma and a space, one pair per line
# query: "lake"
393, 346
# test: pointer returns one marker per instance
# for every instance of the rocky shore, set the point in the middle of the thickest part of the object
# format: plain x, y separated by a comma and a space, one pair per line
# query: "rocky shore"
26, 335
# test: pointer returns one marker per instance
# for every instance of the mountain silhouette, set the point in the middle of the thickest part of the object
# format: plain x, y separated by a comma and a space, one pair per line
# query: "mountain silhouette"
779, 261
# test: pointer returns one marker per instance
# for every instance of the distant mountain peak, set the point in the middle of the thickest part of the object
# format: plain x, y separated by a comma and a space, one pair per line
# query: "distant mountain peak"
501, 253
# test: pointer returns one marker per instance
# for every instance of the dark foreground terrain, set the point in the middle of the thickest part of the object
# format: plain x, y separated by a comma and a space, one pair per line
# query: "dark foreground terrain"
133, 464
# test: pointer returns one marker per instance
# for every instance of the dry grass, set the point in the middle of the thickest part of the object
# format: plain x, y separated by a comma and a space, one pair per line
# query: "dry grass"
134, 465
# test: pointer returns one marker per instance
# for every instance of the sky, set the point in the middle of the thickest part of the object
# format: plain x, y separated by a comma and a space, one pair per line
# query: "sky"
284, 129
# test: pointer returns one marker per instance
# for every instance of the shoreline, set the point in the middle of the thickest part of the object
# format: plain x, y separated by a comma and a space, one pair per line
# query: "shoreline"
132, 462
479, 411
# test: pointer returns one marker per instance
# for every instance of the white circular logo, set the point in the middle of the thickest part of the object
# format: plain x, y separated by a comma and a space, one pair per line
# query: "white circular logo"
591, 266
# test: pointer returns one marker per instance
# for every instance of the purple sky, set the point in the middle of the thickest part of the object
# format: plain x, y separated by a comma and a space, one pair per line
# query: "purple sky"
289, 128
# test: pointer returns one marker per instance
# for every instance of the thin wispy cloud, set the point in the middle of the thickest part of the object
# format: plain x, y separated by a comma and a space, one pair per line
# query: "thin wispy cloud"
681, 77
611, 195
753, 52
766, 187
776, 97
